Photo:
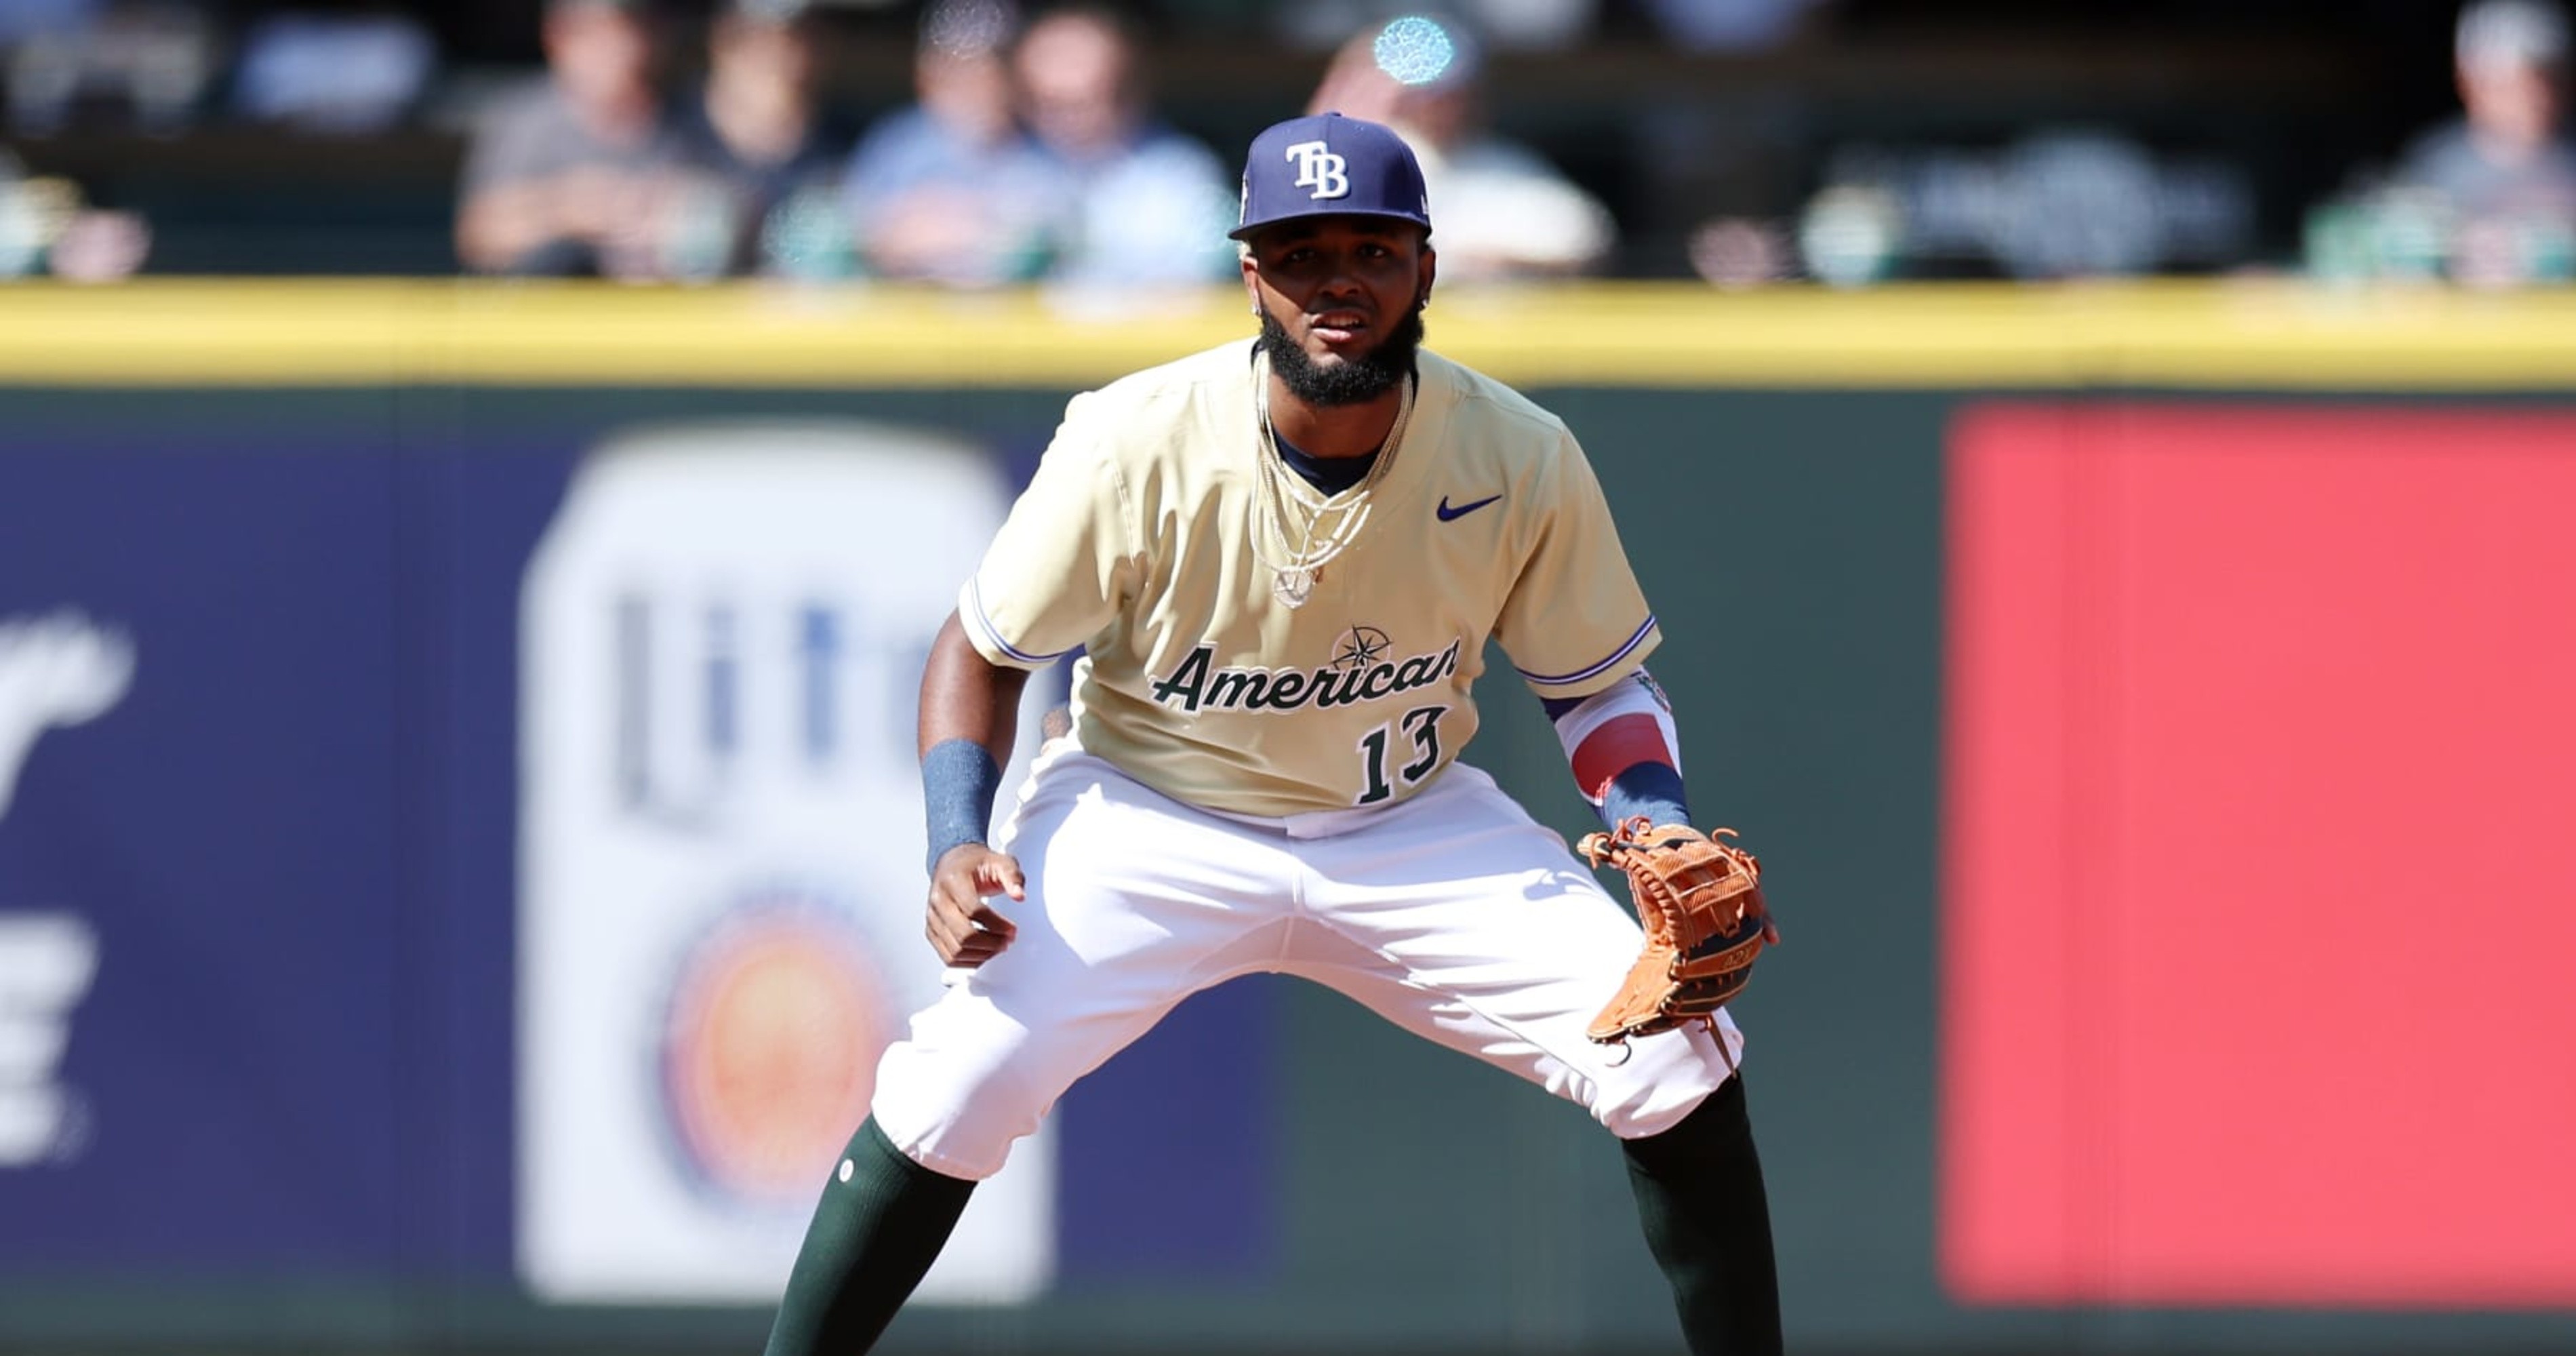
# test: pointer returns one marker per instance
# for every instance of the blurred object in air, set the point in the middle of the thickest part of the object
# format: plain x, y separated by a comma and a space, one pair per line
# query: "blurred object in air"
949, 188
572, 176
1500, 209
1140, 204
2059, 203
1519, 25
753, 141
2487, 199
140, 66
337, 74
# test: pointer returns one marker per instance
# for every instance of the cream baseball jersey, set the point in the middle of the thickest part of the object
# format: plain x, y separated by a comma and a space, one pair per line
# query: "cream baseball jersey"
1134, 544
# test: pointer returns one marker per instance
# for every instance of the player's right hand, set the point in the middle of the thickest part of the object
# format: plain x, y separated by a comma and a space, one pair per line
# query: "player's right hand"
963, 929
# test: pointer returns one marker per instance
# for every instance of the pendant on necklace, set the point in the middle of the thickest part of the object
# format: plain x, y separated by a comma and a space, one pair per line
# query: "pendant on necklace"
1293, 587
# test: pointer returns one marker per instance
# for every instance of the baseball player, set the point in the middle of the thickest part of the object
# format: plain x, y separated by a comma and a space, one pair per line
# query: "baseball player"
1280, 562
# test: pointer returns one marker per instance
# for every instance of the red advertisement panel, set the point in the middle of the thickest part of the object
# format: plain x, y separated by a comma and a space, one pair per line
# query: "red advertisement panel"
2259, 891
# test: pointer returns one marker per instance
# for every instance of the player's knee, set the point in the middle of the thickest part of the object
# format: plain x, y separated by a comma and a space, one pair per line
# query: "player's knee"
957, 1111
1663, 1079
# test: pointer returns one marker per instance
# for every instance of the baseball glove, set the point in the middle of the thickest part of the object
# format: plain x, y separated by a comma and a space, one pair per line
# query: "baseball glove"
1700, 900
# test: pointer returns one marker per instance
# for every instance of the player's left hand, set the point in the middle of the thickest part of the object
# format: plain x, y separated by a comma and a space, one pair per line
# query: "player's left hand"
1695, 895
962, 926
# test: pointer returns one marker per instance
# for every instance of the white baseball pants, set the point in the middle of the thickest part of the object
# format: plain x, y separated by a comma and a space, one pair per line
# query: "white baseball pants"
1454, 915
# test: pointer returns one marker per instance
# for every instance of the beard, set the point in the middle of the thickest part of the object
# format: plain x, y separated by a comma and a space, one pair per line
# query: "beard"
1355, 381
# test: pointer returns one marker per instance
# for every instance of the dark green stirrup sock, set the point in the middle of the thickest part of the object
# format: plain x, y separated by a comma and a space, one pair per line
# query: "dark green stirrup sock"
876, 1231
1699, 1196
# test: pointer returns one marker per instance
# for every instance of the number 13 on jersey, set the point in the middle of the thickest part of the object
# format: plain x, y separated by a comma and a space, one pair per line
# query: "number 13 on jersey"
1421, 726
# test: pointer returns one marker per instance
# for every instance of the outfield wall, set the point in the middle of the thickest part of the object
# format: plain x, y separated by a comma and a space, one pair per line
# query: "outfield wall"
433, 717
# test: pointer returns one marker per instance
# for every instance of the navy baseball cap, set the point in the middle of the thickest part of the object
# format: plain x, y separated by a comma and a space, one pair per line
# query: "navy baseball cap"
1329, 165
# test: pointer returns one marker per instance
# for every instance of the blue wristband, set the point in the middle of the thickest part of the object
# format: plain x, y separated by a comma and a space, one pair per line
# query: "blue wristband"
1650, 789
958, 782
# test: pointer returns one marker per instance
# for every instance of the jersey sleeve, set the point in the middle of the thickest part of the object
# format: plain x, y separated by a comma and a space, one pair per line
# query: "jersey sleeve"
1062, 566
1575, 621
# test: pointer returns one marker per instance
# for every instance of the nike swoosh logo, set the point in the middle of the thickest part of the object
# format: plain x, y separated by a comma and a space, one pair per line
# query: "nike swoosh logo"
1448, 514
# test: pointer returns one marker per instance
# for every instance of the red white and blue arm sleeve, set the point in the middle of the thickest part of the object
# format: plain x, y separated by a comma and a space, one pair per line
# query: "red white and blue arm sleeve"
1625, 751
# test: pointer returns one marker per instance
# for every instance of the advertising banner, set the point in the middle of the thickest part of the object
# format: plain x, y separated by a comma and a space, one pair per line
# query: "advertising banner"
502, 861
2255, 910
199, 1040
57, 670
460, 852
721, 851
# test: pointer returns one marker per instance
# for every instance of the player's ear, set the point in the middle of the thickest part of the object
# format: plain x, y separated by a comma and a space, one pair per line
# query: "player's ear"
1430, 271
1251, 275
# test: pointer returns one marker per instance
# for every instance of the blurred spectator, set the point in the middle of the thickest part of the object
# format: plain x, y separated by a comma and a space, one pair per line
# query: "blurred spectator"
2502, 177
1723, 167
1729, 25
141, 65
1741, 252
950, 189
31, 217
23, 19
1503, 210
47, 227
754, 144
1143, 204
342, 74
568, 178
2055, 202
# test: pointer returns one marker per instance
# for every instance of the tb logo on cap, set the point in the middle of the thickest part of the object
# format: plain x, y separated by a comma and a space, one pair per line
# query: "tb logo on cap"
1321, 170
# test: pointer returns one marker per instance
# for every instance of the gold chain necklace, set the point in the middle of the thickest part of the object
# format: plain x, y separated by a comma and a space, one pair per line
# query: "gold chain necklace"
1306, 541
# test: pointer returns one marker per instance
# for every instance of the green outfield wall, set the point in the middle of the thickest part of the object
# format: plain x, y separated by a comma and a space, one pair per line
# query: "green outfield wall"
1965, 1155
